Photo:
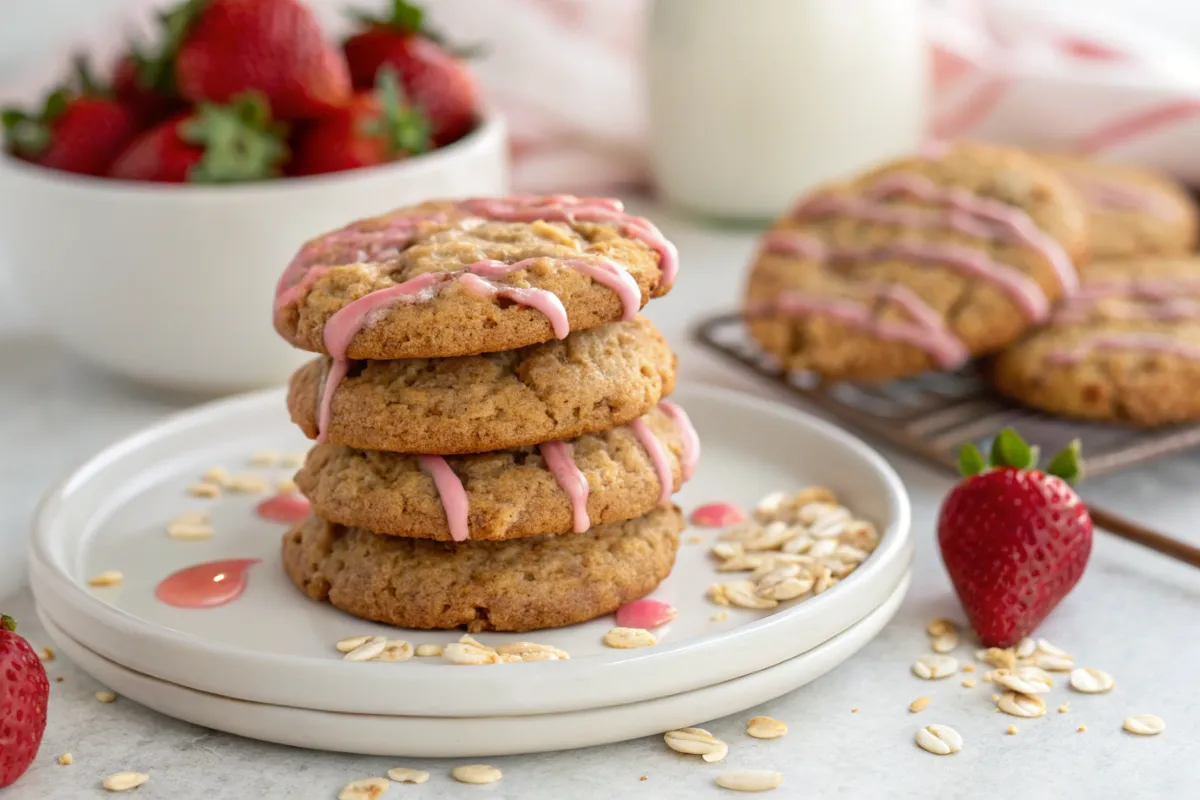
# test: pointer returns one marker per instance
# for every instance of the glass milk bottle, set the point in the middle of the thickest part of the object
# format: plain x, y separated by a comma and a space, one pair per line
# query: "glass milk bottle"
755, 101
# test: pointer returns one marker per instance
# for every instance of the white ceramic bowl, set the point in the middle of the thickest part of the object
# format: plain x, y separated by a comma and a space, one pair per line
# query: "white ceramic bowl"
172, 285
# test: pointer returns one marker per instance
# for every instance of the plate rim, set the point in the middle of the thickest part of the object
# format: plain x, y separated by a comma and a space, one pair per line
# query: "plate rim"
51, 582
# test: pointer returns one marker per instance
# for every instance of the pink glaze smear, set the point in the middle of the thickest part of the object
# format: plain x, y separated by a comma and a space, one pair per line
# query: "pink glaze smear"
645, 614
207, 585
1150, 298
290, 507
717, 515
1147, 342
562, 465
453, 496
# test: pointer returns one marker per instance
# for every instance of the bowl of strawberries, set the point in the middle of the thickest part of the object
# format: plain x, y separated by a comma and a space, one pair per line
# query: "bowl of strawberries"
148, 215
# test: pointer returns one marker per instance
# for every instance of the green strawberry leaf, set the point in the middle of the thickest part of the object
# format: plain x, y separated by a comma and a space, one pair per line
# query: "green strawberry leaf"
405, 16
1010, 450
240, 141
7, 623
1066, 464
403, 127
970, 460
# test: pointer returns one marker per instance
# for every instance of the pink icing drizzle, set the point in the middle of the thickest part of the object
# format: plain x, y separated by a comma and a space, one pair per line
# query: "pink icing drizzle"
717, 515
1152, 342
570, 478
1118, 195
545, 302
453, 495
214, 583
1155, 298
645, 614
687, 434
1022, 289
284, 508
960, 210
658, 455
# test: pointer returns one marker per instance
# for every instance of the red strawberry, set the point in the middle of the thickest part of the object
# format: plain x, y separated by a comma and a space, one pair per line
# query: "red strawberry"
276, 47
1015, 540
24, 692
211, 144
377, 127
435, 80
145, 88
78, 130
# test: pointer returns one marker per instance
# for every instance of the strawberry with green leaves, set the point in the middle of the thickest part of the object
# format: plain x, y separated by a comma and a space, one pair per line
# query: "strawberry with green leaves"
435, 79
210, 144
375, 128
24, 694
81, 128
1015, 539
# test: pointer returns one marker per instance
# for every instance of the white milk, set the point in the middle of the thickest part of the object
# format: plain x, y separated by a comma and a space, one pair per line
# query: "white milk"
755, 101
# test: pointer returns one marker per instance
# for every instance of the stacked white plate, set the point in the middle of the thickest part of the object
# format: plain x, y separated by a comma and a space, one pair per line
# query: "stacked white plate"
264, 666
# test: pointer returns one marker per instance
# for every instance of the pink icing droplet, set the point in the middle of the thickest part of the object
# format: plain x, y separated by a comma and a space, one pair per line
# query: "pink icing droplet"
645, 614
717, 515
207, 585
284, 508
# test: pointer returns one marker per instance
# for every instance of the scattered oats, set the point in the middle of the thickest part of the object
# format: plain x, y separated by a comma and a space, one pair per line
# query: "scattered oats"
941, 740
208, 490
247, 484
940, 627
346, 645
716, 593
750, 780
1064, 708
396, 650
1025, 648
532, 651
968, 667
695, 539
969, 683
771, 537
66, 759
265, 458
364, 789
1081, 729
467, 638
720, 616
931, 667
1011, 730
987, 677
629, 638
742, 594
1021, 705
823, 549
1044, 646
918, 705
406, 775
124, 781
944, 643
286, 486
217, 475
428, 650
106, 697
770, 505
476, 773
1091, 681
766, 728
854, 710
469, 654
696, 742
1054, 663
368, 650
825, 581
292, 459
1144, 725
727, 550
191, 526
108, 578
790, 589
1023, 680
996, 699
46, 654
998, 657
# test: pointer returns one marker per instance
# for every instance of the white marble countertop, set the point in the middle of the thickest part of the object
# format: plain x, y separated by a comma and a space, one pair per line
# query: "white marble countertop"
1134, 614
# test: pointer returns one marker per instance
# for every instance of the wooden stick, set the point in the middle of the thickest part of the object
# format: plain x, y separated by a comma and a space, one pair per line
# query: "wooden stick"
1138, 534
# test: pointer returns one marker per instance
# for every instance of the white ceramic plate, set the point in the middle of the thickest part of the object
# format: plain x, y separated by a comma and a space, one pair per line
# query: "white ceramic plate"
272, 645
440, 737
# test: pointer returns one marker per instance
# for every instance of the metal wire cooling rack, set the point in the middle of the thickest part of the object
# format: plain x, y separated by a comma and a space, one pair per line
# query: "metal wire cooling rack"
931, 416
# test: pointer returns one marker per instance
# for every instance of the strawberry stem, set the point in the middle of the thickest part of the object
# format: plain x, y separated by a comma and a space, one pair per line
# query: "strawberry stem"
403, 127
29, 135
240, 141
7, 623
1010, 450
970, 461
1066, 464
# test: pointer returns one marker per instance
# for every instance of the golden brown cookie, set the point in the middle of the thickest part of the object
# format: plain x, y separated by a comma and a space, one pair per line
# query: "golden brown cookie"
917, 265
558, 487
518, 585
1125, 349
1132, 211
453, 278
588, 382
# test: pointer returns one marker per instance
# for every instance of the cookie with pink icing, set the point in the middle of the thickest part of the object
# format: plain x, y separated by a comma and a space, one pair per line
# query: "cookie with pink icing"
453, 278
917, 265
1125, 348
1132, 211
516, 585
562, 486
588, 382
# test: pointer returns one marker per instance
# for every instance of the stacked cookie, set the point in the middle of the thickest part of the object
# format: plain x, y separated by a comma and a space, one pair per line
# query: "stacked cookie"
1075, 274
495, 449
